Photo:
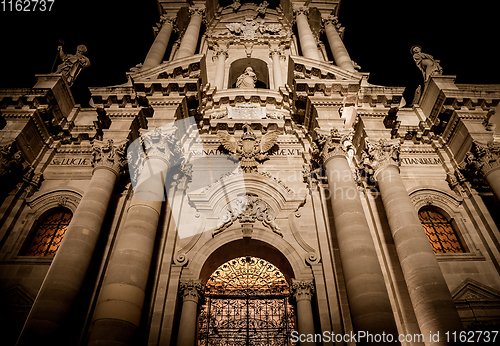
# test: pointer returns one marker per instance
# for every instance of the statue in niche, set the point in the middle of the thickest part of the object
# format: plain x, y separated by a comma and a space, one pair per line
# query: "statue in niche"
72, 64
426, 63
247, 79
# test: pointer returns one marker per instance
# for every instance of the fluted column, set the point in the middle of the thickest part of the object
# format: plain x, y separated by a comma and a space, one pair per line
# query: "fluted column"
429, 293
191, 292
159, 46
65, 277
190, 38
339, 51
302, 292
306, 37
484, 160
275, 53
369, 302
220, 56
119, 306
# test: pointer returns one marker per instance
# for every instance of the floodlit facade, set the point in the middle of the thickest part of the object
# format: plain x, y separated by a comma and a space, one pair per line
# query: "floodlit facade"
249, 186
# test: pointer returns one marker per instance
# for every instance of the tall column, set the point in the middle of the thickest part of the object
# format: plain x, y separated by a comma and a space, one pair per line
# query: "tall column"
191, 292
275, 53
369, 302
119, 306
339, 51
302, 292
190, 38
484, 160
65, 277
429, 293
306, 37
159, 46
220, 55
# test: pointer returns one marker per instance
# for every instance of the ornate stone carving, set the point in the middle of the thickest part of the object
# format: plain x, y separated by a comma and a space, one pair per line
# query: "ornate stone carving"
302, 289
197, 10
167, 20
219, 52
301, 10
235, 5
191, 290
247, 79
426, 63
330, 20
249, 149
481, 159
11, 162
72, 64
381, 153
248, 28
261, 9
247, 209
333, 144
106, 154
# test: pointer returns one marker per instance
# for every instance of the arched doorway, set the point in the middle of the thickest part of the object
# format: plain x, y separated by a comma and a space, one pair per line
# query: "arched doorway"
246, 303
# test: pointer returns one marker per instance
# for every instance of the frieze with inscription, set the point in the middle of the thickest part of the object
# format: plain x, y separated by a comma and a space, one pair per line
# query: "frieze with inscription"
276, 152
420, 161
71, 161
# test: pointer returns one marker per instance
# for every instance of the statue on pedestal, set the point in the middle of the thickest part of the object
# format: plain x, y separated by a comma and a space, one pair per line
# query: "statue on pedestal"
426, 63
247, 79
72, 64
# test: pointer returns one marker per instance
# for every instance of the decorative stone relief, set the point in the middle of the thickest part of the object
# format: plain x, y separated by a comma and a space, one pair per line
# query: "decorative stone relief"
381, 153
235, 5
247, 209
246, 111
302, 289
481, 159
106, 154
262, 8
249, 149
11, 162
333, 144
191, 290
247, 28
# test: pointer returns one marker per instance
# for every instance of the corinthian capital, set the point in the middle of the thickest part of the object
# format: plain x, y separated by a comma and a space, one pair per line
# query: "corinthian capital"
301, 10
332, 144
482, 159
382, 153
105, 154
302, 289
167, 20
330, 19
197, 10
191, 290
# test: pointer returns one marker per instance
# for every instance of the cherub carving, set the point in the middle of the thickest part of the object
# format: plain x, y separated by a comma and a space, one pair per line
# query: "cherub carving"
249, 149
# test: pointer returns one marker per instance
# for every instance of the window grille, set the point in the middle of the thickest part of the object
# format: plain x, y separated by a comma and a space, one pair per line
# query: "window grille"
440, 232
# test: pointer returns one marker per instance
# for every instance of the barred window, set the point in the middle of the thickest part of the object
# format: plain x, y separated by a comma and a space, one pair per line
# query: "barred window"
47, 234
440, 231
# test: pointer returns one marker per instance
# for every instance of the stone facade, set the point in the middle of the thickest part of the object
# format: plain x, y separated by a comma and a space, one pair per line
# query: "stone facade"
312, 168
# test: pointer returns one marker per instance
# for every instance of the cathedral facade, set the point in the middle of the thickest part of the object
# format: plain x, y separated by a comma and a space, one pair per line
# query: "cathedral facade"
249, 186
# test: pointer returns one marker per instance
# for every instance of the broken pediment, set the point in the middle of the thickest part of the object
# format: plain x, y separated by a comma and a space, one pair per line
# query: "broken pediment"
304, 68
472, 290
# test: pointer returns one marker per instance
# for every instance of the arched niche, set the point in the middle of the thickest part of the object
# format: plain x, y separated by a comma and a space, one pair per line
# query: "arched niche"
259, 66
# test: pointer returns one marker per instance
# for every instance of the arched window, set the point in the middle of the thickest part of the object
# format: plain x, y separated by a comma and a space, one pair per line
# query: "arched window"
440, 231
47, 233
246, 303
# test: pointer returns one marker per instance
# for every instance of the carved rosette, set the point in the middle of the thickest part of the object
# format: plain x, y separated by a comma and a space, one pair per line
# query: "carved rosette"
482, 159
191, 291
247, 209
302, 289
380, 154
105, 154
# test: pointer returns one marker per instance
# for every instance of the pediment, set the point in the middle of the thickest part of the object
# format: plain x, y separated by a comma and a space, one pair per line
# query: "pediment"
17, 296
304, 68
471, 290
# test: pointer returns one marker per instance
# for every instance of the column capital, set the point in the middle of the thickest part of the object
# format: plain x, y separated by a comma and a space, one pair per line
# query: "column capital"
220, 51
482, 159
166, 19
380, 154
197, 10
330, 20
334, 143
107, 155
301, 10
191, 290
275, 51
302, 289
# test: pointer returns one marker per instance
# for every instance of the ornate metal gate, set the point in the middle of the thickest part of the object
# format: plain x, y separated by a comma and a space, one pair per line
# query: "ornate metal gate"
246, 304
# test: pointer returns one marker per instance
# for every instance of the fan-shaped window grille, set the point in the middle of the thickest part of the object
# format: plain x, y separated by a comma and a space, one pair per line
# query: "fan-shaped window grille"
440, 231
48, 234
246, 303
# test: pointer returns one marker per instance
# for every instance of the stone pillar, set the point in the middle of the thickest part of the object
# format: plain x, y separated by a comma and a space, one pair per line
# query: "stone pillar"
339, 51
157, 50
429, 293
119, 307
65, 277
484, 160
369, 302
191, 292
302, 292
220, 56
190, 38
275, 53
306, 37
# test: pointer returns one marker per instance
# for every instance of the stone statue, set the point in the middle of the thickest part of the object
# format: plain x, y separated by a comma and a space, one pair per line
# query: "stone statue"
261, 9
72, 64
235, 5
247, 79
426, 63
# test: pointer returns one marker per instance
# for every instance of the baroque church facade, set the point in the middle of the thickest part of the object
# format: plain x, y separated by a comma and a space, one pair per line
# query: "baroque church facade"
246, 186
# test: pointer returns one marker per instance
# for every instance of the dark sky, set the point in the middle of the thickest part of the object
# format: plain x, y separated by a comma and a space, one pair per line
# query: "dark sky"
378, 35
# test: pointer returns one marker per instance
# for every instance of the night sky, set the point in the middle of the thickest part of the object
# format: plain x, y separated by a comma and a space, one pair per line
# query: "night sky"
378, 36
